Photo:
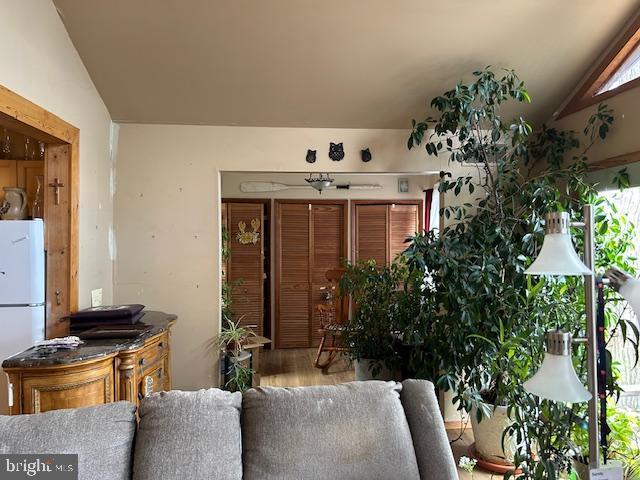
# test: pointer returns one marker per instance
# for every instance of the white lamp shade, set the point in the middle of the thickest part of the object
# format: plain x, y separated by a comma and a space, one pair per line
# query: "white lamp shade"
630, 290
557, 380
557, 257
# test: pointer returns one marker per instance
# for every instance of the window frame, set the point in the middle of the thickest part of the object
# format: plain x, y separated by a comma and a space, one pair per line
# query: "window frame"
616, 55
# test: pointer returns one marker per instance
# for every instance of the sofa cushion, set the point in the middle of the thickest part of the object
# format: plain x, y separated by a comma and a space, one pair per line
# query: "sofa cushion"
430, 441
350, 431
102, 436
189, 435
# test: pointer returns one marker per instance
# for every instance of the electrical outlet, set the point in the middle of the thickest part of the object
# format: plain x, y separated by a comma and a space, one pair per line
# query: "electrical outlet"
96, 297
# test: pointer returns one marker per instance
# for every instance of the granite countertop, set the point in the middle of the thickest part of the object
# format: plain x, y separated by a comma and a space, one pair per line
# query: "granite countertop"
90, 349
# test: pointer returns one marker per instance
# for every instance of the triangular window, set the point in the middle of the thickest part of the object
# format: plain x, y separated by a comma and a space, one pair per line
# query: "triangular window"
618, 71
629, 70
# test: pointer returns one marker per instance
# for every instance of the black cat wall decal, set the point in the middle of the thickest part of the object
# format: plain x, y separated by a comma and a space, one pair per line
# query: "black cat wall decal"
311, 156
336, 151
366, 155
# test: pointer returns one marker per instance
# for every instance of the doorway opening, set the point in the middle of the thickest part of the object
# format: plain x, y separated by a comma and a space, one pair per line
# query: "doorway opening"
279, 279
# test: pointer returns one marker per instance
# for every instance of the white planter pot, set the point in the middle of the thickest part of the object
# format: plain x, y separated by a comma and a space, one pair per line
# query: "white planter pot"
488, 436
363, 371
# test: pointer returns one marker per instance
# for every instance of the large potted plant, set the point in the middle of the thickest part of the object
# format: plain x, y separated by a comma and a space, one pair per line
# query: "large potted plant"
482, 320
371, 334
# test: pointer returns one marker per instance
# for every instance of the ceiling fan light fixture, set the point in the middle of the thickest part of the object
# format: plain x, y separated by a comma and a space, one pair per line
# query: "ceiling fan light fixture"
319, 181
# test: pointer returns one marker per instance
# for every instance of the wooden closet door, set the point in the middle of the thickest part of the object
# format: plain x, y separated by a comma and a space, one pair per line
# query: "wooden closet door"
328, 250
245, 265
371, 240
292, 291
380, 230
404, 222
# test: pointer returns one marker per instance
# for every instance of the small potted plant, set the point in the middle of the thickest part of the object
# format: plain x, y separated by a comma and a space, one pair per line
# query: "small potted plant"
236, 373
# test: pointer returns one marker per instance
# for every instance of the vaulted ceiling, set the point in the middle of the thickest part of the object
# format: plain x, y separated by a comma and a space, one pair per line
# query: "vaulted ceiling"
328, 63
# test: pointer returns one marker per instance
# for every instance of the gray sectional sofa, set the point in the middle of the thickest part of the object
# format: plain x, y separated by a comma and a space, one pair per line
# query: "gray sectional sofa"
360, 430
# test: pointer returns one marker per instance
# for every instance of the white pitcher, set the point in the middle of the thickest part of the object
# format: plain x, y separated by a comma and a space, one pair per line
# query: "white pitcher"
15, 204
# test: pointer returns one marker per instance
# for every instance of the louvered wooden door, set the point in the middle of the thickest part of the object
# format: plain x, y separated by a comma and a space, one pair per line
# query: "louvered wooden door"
310, 241
404, 222
245, 266
371, 240
380, 230
327, 252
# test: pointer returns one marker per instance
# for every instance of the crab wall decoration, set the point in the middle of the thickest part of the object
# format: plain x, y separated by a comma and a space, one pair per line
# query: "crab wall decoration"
248, 238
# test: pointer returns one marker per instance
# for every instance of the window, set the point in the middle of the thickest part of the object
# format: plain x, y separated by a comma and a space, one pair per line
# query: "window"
627, 203
618, 71
628, 71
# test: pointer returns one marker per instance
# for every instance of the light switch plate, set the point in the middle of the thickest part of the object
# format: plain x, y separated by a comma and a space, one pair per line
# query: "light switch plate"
96, 297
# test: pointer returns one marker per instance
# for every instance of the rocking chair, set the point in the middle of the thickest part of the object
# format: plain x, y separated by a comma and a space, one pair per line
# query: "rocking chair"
332, 316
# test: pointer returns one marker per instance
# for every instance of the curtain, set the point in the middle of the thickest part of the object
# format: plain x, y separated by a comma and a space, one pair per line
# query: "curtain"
432, 209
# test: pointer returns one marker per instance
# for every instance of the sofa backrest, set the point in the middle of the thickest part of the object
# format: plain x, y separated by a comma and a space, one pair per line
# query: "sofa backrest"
189, 435
433, 452
101, 436
354, 430
360, 430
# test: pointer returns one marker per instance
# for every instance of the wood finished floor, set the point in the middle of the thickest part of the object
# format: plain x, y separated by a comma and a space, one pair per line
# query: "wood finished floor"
294, 368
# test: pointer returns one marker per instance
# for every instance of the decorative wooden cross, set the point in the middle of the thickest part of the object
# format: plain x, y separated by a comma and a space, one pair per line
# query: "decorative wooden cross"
56, 186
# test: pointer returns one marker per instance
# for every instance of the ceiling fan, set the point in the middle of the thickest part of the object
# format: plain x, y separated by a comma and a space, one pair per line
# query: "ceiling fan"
324, 183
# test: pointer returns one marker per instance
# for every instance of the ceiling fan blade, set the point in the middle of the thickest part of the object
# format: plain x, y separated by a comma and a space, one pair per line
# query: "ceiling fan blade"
255, 187
357, 186
260, 187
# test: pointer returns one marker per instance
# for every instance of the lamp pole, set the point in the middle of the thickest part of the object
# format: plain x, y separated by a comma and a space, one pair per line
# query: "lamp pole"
592, 342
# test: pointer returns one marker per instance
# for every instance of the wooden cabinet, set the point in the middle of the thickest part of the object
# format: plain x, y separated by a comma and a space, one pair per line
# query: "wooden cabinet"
63, 386
27, 172
8, 176
128, 374
380, 229
21, 173
310, 239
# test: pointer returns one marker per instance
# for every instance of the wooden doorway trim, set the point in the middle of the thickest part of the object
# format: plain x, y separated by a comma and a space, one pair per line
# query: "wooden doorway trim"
25, 117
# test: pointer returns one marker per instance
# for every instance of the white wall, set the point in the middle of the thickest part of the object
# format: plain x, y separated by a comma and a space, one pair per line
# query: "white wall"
623, 137
230, 185
40, 63
167, 213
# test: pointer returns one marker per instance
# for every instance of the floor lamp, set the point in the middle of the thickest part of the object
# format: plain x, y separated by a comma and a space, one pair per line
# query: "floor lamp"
556, 378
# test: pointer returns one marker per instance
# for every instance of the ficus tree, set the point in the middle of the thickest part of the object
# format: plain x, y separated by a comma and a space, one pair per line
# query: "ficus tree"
479, 331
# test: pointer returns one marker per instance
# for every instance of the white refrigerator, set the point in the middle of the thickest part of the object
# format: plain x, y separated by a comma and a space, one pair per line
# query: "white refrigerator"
22, 291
